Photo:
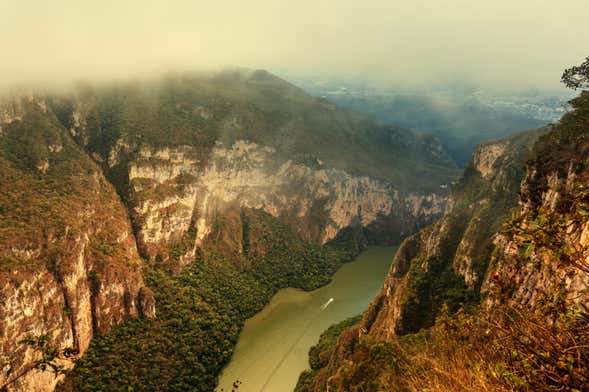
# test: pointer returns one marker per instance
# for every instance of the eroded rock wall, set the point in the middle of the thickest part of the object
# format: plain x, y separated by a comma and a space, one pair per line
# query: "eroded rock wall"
69, 266
173, 191
544, 256
459, 245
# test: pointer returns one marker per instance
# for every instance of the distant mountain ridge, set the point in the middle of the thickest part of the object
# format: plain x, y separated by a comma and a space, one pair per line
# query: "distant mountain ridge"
140, 192
247, 137
495, 295
459, 116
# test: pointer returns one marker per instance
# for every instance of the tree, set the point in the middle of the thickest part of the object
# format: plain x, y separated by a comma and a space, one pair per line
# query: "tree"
49, 355
577, 76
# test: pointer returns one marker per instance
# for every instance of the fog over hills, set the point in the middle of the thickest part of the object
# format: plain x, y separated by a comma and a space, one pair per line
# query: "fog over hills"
417, 43
460, 114
181, 177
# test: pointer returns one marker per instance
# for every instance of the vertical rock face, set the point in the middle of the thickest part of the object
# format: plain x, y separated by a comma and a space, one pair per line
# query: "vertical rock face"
69, 265
536, 263
546, 250
455, 251
543, 257
182, 151
92, 179
174, 193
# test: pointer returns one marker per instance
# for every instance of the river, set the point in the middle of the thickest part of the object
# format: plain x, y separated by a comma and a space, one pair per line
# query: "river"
272, 348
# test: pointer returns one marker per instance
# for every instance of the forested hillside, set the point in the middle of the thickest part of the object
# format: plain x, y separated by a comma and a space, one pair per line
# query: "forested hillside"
155, 216
502, 304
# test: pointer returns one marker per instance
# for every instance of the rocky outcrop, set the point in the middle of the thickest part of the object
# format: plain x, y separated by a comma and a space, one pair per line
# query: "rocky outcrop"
69, 266
67, 307
185, 150
173, 191
542, 259
532, 270
444, 263
96, 176
454, 252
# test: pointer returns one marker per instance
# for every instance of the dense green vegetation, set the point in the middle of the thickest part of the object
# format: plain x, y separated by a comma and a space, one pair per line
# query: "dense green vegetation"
320, 353
460, 125
199, 110
532, 331
428, 290
499, 349
31, 201
47, 181
201, 311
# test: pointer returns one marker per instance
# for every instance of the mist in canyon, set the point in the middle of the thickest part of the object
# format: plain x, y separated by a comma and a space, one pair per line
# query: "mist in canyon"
503, 43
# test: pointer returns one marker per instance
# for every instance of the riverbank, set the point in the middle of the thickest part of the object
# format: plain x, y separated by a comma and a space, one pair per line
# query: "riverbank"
201, 311
272, 349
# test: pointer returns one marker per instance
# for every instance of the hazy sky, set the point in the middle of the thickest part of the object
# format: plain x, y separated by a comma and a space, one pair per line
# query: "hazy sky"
494, 42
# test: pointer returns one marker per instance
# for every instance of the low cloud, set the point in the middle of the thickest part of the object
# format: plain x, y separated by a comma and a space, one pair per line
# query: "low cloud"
502, 42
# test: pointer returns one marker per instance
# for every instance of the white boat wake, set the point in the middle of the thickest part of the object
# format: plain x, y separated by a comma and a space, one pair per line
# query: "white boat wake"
325, 305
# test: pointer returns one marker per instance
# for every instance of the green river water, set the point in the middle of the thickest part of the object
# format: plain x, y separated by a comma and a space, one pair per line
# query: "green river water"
272, 348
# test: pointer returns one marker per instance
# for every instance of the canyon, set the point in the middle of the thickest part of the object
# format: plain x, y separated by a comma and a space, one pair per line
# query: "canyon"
480, 299
142, 223
101, 184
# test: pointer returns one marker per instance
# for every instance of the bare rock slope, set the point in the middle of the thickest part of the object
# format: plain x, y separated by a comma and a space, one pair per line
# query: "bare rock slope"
99, 181
520, 247
69, 264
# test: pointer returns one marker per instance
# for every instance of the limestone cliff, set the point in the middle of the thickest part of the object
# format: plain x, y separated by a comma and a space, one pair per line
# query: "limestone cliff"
531, 267
69, 266
172, 193
184, 152
543, 254
448, 260
444, 263
95, 177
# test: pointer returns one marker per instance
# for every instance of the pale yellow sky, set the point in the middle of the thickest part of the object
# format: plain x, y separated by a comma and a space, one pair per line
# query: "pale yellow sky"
495, 42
